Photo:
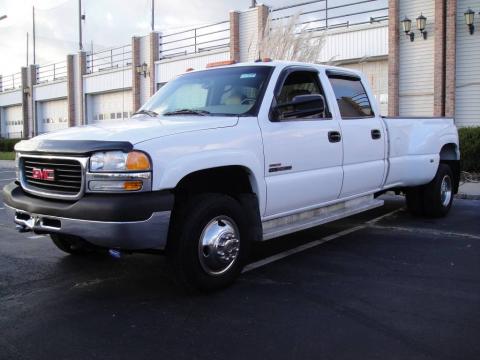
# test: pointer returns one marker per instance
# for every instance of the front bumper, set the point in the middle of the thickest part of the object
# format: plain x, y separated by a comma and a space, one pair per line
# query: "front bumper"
119, 221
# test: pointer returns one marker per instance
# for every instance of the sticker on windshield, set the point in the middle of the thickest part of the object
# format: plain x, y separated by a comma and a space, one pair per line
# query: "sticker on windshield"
248, 76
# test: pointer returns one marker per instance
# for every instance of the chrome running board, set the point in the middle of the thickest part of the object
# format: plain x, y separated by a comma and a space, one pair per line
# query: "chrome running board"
311, 218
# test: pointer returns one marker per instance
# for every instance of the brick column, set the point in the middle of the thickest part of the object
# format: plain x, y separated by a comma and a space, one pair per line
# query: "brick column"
71, 90
393, 57
32, 113
450, 57
154, 56
263, 12
439, 60
135, 75
25, 102
234, 35
80, 98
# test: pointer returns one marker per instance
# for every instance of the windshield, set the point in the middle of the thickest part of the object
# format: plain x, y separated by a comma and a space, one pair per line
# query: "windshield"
229, 91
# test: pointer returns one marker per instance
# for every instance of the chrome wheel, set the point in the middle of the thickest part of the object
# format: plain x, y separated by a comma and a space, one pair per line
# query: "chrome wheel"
219, 245
446, 190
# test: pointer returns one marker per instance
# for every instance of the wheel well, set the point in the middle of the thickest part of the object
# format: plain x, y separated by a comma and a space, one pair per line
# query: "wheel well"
449, 156
449, 152
227, 180
236, 181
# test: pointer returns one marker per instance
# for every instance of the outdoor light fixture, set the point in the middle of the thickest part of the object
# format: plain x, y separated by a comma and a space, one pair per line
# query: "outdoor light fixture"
421, 25
469, 18
142, 69
407, 27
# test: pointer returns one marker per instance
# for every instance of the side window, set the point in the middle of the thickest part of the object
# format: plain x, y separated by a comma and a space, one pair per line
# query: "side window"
300, 83
352, 98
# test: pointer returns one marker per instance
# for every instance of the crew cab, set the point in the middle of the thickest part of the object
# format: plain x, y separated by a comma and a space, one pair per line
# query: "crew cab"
220, 158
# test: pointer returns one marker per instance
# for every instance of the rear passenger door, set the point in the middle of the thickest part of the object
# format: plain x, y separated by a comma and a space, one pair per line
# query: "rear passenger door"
303, 154
363, 135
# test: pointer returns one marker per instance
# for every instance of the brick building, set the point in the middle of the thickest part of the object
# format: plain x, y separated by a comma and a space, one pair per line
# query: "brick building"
436, 74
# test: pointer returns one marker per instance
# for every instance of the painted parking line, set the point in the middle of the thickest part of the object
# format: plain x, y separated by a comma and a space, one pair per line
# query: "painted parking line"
7, 179
7, 171
284, 254
36, 236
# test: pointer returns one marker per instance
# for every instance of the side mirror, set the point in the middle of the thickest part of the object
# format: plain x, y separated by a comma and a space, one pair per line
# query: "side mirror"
302, 106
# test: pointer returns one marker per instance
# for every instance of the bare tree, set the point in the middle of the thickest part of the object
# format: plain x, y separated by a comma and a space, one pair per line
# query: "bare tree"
290, 41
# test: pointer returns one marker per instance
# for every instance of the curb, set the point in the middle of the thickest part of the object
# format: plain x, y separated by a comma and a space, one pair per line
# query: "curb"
7, 164
467, 197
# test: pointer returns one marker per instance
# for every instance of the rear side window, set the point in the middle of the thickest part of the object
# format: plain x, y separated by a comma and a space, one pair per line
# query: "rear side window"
352, 98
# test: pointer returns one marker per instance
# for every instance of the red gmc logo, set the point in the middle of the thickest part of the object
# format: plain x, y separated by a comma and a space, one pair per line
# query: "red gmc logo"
43, 174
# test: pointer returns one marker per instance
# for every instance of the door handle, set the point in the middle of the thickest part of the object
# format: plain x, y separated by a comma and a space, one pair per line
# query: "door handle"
376, 134
334, 136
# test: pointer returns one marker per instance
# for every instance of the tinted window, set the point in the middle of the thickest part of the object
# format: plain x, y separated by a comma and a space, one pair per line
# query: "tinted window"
300, 83
351, 97
227, 91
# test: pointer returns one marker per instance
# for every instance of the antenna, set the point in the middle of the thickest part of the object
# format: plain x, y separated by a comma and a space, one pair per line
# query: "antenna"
153, 15
33, 21
27, 49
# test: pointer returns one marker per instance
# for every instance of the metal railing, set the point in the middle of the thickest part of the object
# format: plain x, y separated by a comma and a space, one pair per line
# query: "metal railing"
52, 72
114, 58
11, 82
316, 15
12, 135
200, 39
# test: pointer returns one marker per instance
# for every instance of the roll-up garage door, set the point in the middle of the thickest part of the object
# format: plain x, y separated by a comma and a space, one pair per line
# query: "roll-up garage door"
52, 115
112, 106
12, 122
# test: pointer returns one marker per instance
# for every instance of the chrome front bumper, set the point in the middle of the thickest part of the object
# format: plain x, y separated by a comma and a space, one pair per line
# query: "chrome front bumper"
151, 233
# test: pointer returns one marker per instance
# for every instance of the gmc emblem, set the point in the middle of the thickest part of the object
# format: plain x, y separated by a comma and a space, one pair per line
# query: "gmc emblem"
43, 174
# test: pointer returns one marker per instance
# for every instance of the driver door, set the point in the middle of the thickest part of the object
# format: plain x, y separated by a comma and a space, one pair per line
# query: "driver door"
303, 155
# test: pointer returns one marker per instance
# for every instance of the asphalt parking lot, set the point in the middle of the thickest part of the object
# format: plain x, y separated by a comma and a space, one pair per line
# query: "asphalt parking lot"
379, 285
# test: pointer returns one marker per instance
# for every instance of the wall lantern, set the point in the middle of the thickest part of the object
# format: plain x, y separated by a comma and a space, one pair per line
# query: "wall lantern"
142, 69
421, 25
407, 27
469, 18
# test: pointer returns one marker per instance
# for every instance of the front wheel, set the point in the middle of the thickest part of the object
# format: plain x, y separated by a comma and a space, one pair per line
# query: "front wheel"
209, 243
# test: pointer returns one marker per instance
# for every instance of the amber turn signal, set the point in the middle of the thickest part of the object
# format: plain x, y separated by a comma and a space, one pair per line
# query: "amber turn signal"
133, 185
137, 161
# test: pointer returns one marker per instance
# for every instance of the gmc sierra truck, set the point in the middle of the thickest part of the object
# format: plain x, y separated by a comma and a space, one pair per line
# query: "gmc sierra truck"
222, 157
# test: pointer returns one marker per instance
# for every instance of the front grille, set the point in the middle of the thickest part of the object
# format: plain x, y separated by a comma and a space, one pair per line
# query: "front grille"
67, 175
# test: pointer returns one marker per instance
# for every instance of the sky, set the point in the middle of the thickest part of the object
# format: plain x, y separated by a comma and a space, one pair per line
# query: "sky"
108, 23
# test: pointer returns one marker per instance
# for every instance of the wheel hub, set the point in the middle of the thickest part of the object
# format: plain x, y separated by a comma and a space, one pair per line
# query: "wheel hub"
446, 190
219, 245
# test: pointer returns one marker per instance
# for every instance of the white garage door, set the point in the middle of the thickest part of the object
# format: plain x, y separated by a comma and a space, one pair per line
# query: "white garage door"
113, 106
12, 122
377, 75
52, 115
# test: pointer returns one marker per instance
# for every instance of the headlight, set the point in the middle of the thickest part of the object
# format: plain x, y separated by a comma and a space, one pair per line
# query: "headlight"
119, 172
118, 161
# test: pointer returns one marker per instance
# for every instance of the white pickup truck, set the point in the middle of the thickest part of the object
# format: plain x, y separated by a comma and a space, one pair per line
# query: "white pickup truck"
222, 157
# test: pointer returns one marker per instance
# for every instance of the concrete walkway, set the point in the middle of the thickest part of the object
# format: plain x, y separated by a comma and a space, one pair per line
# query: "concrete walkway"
469, 190
9, 164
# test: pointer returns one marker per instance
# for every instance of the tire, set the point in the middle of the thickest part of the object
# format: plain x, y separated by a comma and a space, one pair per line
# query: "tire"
207, 221
72, 245
438, 194
414, 198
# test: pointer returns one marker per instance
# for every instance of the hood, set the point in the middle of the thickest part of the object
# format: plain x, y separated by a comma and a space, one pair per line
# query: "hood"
140, 129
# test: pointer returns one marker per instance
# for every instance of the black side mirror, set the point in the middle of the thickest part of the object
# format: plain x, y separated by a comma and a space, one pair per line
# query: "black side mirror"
303, 105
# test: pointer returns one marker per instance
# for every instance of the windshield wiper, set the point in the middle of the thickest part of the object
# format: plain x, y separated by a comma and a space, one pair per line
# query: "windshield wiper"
146, 112
187, 112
